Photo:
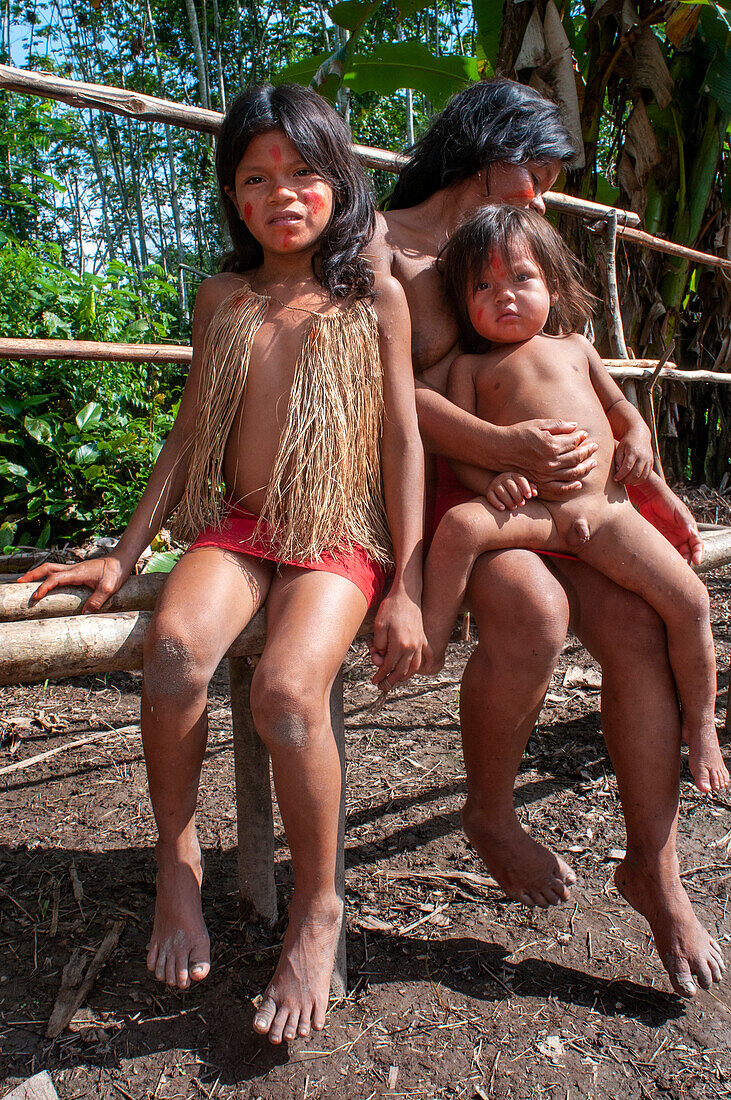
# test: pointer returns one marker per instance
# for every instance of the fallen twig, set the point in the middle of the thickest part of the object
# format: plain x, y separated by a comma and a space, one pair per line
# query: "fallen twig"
75, 986
20, 765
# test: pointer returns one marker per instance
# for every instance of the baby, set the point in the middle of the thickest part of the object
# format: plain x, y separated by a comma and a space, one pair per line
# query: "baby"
508, 275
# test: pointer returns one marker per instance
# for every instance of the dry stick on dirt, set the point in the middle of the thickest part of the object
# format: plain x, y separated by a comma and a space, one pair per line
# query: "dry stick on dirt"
75, 986
21, 765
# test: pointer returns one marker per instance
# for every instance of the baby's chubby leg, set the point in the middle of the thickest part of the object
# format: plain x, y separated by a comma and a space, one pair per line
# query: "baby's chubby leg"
207, 600
626, 548
464, 532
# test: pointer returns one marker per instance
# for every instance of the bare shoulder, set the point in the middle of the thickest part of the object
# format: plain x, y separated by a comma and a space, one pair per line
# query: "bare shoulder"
389, 295
466, 366
379, 251
213, 291
575, 342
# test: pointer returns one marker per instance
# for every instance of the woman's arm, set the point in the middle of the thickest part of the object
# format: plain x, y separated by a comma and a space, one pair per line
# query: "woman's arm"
164, 487
554, 453
656, 501
398, 639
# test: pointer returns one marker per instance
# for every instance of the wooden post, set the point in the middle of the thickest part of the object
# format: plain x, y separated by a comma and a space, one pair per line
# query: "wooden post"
255, 823
339, 984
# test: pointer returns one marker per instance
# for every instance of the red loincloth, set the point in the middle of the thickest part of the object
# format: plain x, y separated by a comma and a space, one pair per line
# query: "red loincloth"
237, 534
446, 491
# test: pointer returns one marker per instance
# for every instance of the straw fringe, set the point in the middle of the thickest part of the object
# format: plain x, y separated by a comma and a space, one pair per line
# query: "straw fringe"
325, 491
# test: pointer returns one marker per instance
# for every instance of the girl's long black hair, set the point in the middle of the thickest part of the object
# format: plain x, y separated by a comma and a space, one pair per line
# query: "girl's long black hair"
324, 143
493, 120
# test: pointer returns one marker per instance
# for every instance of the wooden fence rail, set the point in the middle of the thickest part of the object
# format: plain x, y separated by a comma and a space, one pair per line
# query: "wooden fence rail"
12, 347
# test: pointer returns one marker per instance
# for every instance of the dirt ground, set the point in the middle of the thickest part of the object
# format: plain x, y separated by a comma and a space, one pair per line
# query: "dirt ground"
453, 990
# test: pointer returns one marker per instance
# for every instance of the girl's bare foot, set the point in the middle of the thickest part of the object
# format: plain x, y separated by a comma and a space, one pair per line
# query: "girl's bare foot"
296, 998
686, 950
524, 869
179, 950
706, 762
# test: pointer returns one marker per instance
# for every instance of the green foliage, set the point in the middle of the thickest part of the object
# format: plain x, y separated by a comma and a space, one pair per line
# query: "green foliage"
78, 439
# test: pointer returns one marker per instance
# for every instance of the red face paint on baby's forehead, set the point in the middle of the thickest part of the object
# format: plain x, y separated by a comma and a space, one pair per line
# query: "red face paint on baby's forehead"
275, 153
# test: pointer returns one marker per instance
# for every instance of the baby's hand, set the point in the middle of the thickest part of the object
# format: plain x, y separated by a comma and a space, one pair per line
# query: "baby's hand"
633, 457
509, 491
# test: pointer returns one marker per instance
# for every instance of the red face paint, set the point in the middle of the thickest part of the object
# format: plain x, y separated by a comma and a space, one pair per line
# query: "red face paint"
523, 196
314, 200
287, 239
275, 153
247, 211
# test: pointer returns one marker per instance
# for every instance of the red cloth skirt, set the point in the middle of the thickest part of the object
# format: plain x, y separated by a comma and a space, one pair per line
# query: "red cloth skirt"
238, 534
446, 491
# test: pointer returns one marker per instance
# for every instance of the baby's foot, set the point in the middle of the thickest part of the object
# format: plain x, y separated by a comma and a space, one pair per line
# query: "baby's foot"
296, 998
179, 950
706, 762
686, 950
524, 869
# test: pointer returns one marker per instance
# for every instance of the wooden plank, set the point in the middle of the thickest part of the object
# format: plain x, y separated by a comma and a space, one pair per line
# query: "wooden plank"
255, 823
38, 1087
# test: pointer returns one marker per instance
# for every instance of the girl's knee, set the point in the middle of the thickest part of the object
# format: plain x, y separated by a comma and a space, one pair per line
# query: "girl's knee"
173, 664
287, 709
520, 620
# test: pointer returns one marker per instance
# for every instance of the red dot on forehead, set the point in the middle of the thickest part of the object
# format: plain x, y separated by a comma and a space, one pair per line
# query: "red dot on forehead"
275, 153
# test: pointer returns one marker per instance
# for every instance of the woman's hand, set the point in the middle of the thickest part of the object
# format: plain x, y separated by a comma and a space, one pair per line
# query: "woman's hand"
509, 491
658, 504
554, 454
103, 575
399, 647
633, 457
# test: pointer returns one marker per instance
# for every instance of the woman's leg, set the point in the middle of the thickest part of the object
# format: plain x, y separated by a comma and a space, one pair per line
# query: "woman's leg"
312, 617
207, 601
641, 726
522, 616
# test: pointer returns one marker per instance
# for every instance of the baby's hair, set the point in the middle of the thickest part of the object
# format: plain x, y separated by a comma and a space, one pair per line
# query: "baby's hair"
324, 143
490, 121
496, 231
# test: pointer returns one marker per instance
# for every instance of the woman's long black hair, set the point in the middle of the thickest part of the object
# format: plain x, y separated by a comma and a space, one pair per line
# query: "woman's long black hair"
324, 143
493, 120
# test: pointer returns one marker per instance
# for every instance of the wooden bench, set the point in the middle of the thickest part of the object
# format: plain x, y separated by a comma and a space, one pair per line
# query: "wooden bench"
52, 641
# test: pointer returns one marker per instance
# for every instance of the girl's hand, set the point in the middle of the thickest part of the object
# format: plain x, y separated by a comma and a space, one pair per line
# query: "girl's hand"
633, 457
658, 504
509, 491
103, 575
399, 647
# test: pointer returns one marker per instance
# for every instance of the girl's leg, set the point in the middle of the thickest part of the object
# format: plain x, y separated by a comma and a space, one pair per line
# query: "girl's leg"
464, 532
312, 617
641, 726
522, 616
628, 550
207, 601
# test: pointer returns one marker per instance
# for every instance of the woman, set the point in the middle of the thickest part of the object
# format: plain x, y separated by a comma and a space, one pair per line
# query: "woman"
498, 141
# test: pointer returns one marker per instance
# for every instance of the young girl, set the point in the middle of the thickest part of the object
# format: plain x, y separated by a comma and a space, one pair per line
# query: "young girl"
299, 395
508, 276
